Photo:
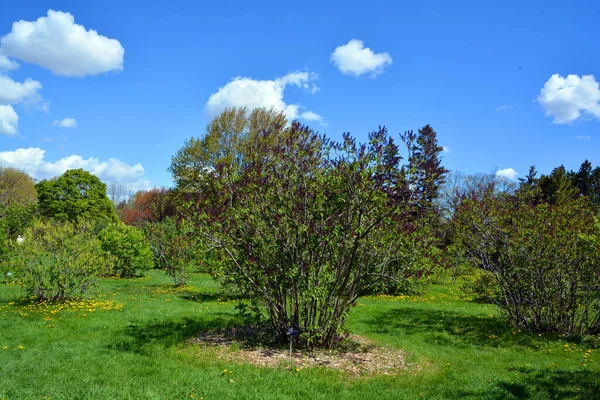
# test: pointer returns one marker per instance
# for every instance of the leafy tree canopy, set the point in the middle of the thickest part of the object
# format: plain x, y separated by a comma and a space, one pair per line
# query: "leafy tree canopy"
16, 187
75, 196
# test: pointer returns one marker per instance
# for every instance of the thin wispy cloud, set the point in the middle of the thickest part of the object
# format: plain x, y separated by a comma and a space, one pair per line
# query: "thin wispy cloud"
65, 123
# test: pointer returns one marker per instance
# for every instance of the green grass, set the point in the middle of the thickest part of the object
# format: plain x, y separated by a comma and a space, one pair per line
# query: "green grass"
132, 342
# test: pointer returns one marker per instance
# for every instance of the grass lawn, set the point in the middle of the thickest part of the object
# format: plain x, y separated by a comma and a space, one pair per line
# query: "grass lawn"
131, 342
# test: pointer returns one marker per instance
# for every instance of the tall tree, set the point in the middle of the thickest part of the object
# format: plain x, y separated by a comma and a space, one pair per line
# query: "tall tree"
425, 171
76, 195
221, 145
16, 187
584, 180
558, 187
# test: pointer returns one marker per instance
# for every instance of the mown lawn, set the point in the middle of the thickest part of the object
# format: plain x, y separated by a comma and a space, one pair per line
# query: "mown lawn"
132, 342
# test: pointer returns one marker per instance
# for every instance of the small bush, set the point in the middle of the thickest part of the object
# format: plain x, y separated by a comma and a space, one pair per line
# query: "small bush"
57, 261
129, 248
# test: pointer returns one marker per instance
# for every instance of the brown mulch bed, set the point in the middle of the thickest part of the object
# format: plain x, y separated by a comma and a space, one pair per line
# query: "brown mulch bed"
357, 356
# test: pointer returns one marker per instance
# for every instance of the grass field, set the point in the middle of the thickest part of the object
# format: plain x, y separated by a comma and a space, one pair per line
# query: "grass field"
132, 342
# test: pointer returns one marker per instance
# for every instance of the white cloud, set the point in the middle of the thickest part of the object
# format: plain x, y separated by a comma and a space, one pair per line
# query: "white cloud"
445, 149
311, 116
507, 173
567, 99
354, 58
31, 160
583, 137
6, 64
12, 92
65, 123
251, 93
57, 43
503, 107
9, 121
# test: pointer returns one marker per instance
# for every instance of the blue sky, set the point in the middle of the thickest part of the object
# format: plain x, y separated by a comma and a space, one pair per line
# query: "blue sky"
116, 87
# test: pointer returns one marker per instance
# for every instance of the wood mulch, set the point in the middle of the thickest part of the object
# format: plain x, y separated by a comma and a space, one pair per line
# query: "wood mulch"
358, 356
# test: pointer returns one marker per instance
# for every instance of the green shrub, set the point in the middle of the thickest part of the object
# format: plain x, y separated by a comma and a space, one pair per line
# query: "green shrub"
544, 260
482, 285
172, 249
129, 248
57, 261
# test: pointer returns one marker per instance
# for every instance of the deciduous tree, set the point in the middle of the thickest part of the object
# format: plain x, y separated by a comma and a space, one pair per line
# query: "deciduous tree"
75, 196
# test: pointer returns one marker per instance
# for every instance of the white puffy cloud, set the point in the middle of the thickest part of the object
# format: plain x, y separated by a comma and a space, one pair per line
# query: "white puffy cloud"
65, 123
31, 160
6, 64
251, 93
353, 58
12, 92
507, 173
57, 43
9, 121
567, 99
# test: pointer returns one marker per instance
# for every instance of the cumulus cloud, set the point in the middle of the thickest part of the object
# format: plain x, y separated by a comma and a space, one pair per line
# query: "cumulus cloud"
65, 123
32, 161
507, 173
57, 43
9, 121
251, 93
568, 99
12, 92
6, 64
353, 58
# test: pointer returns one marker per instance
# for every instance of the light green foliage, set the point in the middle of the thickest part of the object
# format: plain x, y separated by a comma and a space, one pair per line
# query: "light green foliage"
57, 260
129, 248
76, 195
16, 187
14, 218
222, 144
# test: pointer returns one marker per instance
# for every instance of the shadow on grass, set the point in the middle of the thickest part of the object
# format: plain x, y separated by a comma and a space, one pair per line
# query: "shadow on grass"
202, 297
451, 328
144, 338
549, 384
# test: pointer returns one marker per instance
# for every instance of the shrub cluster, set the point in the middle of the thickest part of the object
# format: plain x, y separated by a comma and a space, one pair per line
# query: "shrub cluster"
57, 260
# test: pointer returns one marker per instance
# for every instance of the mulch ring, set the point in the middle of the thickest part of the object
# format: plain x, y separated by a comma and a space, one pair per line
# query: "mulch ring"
358, 356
